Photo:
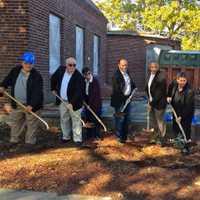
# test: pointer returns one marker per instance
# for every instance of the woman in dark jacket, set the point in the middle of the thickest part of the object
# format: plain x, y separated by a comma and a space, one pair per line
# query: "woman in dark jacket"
183, 103
182, 100
92, 96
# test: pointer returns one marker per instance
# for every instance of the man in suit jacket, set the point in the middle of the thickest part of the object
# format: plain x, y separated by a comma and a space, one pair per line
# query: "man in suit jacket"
122, 85
92, 94
68, 83
156, 88
27, 87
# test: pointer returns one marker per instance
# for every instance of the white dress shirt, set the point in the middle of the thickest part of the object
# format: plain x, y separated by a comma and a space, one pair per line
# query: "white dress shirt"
64, 86
127, 89
149, 86
87, 85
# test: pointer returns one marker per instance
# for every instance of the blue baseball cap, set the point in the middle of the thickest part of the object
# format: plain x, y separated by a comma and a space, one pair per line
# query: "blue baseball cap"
28, 57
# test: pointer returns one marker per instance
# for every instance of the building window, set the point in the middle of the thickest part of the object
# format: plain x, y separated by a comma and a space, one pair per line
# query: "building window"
79, 47
54, 43
96, 54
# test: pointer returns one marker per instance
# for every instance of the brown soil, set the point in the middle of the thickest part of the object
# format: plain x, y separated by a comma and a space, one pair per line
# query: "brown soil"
135, 170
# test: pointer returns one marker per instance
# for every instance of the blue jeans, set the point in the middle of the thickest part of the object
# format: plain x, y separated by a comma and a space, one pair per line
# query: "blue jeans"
122, 122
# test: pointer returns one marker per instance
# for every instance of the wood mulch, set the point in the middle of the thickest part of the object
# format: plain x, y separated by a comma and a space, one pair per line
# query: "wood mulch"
135, 170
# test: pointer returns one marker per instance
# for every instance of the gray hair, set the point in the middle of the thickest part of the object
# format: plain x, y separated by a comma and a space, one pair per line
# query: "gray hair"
71, 60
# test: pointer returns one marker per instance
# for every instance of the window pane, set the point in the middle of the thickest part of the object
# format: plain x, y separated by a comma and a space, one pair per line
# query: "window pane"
54, 43
96, 55
79, 47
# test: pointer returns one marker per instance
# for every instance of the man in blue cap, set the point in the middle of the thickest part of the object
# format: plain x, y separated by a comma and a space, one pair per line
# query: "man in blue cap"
27, 87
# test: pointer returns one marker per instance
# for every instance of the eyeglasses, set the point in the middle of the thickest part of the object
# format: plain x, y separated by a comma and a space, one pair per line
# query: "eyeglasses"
87, 74
72, 65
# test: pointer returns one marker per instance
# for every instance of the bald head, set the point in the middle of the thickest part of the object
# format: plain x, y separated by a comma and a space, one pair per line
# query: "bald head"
123, 65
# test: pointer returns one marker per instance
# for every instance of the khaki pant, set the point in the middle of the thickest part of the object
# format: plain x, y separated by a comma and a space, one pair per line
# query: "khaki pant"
157, 121
70, 123
19, 120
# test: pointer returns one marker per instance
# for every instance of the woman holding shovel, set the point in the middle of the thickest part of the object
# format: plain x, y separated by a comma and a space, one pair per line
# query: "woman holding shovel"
182, 101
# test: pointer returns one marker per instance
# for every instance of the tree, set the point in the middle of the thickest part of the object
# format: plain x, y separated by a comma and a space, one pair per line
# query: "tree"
176, 19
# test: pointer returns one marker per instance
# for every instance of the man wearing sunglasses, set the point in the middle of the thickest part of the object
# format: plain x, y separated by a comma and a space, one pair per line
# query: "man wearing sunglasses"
68, 83
27, 87
92, 96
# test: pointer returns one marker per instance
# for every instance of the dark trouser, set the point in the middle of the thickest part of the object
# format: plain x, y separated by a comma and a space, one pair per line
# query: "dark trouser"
93, 132
186, 124
122, 122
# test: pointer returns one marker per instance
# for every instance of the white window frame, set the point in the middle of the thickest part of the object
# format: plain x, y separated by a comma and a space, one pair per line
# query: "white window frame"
54, 42
80, 44
96, 54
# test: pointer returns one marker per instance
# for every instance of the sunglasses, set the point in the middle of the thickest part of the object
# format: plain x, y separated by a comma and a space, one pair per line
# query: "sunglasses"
72, 65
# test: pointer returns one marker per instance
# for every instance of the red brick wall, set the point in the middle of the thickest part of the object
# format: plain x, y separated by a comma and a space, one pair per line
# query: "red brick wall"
13, 33
133, 48
72, 13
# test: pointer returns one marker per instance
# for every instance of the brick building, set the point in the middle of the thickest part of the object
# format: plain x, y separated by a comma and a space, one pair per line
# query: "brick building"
53, 30
138, 49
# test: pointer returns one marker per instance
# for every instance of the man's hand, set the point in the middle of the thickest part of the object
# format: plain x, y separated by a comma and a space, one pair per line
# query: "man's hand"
178, 120
54, 92
70, 106
149, 107
7, 108
29, 109
169, 99
2, 89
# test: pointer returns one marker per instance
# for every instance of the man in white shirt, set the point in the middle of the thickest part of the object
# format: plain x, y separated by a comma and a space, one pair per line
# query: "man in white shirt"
156, 88
123, 86
68, 83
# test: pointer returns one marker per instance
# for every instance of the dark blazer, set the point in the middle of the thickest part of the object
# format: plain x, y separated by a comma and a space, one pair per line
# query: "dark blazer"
170, 87
118, 83
94, 97
158, 91
75, 88
34, 87
185, 107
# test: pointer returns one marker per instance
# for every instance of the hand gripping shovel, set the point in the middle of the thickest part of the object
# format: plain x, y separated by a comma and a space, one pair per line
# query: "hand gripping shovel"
179, 125
52, 129
83, 123
121, 113
97, 118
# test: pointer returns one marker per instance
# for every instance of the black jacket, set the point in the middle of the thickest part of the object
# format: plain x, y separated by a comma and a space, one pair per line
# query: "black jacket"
118, 83
184, 105
170, 87
75, 90
34, 87
94, 97
158, 91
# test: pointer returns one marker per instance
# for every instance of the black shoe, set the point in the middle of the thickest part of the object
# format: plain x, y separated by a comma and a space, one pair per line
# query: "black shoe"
122, 141
63, 141
27, 148
78, 144
185, 151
